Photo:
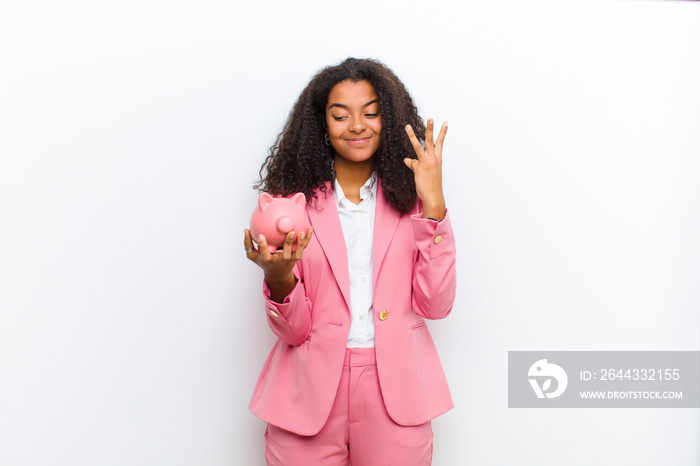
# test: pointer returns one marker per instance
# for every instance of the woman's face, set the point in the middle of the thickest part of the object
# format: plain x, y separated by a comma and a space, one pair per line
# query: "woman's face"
353, 121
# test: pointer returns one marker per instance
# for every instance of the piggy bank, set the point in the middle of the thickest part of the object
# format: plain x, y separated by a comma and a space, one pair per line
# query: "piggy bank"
274, 217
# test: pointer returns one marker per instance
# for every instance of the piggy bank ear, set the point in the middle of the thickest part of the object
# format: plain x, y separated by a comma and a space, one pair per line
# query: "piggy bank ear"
299, 199
263, 200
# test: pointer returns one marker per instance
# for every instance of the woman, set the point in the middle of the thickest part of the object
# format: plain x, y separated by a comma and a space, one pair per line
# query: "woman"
354, 376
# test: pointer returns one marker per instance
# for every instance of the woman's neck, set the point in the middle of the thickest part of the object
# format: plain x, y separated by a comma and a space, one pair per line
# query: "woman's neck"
352, 176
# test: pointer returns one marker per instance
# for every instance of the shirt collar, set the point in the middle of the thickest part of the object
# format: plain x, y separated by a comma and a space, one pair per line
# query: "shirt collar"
368, 190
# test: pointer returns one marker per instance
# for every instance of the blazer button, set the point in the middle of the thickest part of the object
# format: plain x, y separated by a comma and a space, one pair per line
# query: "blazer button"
384, 314
437, 239
273, 313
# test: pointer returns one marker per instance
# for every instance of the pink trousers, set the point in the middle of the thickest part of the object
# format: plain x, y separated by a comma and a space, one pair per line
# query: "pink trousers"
358, 431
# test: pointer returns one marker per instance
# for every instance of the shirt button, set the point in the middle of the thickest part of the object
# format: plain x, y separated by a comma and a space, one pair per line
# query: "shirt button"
363, 279
362, 317
437, 239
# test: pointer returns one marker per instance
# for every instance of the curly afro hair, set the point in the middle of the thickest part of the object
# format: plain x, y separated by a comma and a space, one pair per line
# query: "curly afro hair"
300, 160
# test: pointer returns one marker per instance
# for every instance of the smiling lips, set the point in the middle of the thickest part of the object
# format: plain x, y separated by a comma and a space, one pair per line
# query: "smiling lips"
358, 141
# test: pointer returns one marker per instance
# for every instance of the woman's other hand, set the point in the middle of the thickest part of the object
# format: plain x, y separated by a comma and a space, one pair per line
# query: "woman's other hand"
427, 169
277, 266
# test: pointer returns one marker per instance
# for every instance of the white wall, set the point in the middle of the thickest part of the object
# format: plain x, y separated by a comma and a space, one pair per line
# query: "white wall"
131, 328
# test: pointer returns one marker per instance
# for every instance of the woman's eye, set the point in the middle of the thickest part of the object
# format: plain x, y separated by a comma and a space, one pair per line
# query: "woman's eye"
371, 115
338, 118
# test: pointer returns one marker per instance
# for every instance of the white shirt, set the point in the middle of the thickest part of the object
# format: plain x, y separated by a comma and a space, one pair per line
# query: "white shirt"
357, 222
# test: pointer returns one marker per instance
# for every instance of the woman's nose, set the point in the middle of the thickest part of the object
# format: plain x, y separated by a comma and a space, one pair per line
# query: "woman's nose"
357, 125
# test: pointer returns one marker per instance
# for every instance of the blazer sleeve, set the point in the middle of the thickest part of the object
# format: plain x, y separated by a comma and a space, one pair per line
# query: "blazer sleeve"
434, 273
291, 319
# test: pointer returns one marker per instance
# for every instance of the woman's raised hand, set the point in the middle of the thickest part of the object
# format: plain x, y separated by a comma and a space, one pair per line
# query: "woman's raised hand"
427, 170
277, 266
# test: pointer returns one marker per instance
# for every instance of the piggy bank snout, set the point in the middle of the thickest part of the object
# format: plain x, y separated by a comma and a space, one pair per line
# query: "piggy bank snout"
285, 225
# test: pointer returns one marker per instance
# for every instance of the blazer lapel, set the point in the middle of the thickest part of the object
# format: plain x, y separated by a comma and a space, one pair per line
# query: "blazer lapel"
323, 215
386, 219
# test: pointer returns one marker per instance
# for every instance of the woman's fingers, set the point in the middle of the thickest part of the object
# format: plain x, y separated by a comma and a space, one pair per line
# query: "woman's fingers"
279, 260
433, 148
440, 141
247, 239
427, 168
302, 241
420, 153
301, 244
248, 244
429, 147
264, 250
287, 246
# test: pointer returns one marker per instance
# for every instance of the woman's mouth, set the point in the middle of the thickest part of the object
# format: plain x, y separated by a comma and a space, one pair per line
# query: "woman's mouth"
357, 141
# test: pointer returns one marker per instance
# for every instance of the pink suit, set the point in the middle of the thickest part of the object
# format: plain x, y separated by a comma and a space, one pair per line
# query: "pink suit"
413, 278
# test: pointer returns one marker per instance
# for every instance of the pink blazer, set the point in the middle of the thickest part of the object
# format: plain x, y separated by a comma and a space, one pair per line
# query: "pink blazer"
414, 279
